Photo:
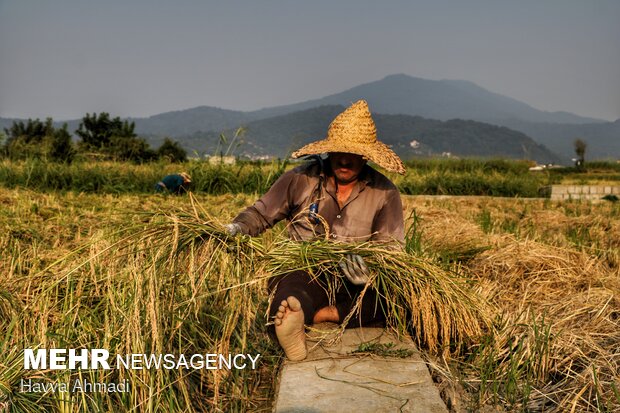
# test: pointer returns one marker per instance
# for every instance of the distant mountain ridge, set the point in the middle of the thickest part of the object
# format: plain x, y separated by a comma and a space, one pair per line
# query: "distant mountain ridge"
401, 94
435, 99
603, 139
182, 122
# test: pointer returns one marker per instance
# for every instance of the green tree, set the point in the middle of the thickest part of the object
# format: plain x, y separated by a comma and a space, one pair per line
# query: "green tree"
135, 149
61, 145
37, 139
172, 151
580, 150
2, 144
112, 137
96, 131
33, 131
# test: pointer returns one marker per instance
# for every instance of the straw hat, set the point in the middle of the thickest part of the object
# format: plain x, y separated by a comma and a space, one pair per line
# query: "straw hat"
354, 131
186, 176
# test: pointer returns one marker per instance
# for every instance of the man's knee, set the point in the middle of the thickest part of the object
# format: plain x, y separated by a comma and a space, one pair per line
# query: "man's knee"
301, 285
289, 280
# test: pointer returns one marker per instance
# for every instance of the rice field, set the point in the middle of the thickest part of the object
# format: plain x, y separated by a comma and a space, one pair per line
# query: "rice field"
514, 302
448, 177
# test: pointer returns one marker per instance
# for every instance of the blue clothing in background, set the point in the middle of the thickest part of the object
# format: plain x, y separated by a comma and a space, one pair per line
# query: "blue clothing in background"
171, 183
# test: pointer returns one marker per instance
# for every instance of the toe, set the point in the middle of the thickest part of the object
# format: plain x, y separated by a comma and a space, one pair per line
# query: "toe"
294, 303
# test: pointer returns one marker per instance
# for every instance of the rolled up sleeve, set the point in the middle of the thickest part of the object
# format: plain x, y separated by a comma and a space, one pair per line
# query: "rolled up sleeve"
271, 208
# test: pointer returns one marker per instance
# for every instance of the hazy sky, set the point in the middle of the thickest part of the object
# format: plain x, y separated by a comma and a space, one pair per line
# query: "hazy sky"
63, 58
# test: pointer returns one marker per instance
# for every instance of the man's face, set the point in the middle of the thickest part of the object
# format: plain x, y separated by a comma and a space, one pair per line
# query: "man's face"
346, 166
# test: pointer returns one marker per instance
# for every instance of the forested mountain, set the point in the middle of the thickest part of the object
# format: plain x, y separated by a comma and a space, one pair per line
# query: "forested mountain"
408, 136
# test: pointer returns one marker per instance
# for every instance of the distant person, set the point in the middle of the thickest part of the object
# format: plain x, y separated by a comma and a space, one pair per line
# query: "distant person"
174, 184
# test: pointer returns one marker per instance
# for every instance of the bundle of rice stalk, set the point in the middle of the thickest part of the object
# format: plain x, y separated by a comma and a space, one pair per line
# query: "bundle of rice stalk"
169, 285
420, 298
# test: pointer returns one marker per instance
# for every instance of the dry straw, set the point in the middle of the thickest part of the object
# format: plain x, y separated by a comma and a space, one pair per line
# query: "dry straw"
446, 233
560, 319
436, 306
177, 283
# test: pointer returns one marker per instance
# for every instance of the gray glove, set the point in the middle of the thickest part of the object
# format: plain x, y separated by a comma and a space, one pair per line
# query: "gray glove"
355, 269
233, 229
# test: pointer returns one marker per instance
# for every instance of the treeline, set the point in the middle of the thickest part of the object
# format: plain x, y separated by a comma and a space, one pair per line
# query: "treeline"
99, 137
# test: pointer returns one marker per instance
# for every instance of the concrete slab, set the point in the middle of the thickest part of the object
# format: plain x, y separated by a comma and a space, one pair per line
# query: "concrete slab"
334, 379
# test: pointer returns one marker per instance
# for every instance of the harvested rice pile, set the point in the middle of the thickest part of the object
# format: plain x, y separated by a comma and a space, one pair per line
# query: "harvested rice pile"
551, 276
446, 233
560, 321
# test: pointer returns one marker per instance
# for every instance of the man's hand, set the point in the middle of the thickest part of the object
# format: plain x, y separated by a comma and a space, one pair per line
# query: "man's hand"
233, 229
355, 269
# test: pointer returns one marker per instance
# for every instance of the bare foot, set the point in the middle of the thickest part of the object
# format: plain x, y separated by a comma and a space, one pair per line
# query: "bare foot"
290, 329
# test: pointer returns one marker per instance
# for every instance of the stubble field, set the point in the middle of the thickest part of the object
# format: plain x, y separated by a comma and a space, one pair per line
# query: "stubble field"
549, 273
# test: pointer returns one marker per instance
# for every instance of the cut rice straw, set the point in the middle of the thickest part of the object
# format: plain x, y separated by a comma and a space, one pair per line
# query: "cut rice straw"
434, 305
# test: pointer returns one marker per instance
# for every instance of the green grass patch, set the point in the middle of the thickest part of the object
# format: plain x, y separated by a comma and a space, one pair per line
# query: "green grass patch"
383, 350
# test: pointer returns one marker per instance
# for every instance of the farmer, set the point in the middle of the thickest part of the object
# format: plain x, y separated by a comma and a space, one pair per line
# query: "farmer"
175, 184
349, 198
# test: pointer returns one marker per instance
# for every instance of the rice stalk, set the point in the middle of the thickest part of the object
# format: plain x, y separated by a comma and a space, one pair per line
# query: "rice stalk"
435, 305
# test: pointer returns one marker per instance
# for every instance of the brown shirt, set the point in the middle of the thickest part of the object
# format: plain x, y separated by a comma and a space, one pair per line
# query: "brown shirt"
372, 212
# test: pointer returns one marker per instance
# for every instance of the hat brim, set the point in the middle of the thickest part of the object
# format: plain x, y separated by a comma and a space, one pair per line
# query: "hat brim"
377, 152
